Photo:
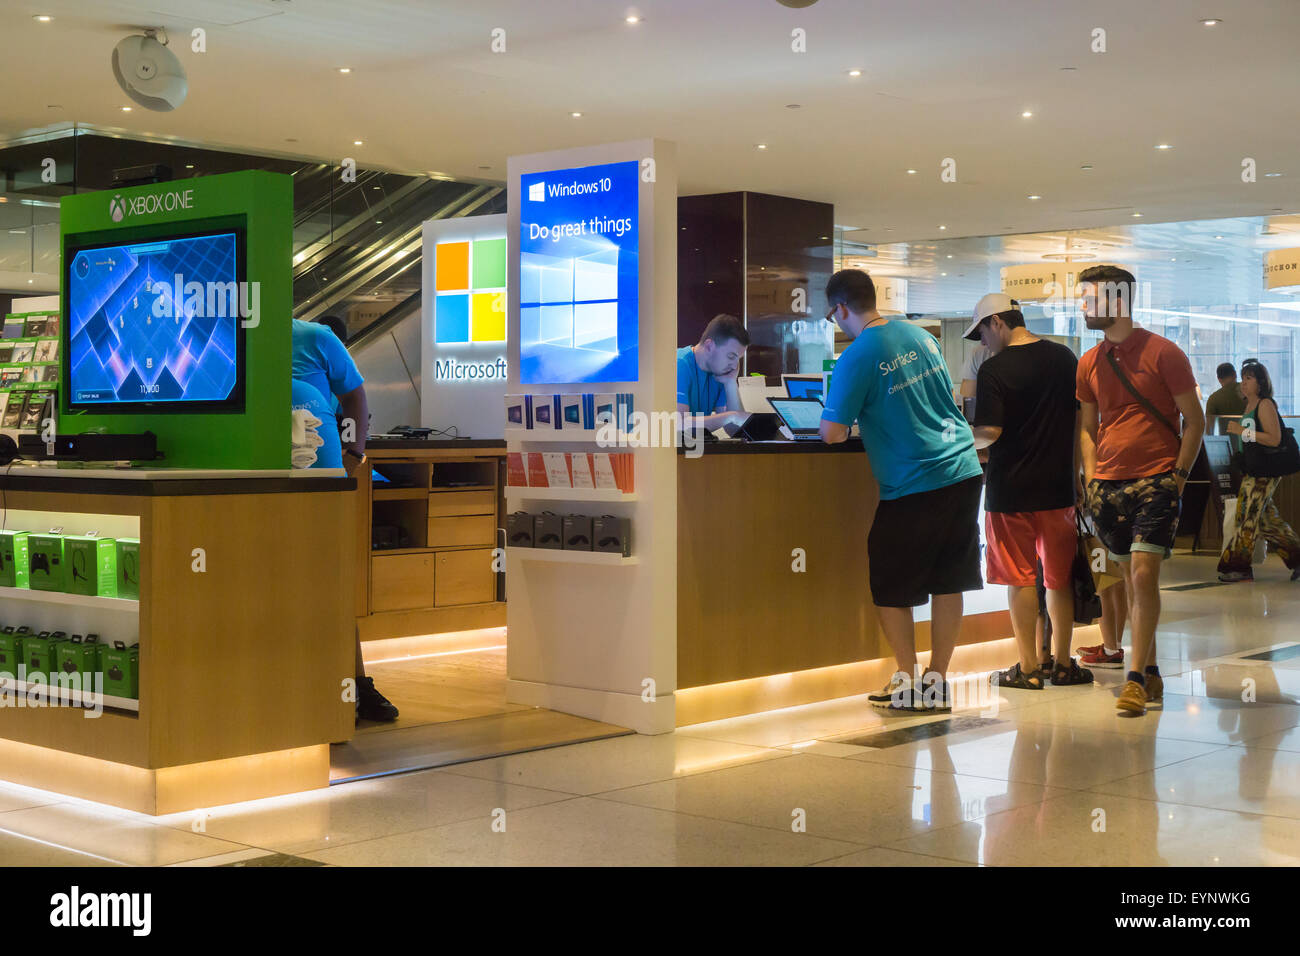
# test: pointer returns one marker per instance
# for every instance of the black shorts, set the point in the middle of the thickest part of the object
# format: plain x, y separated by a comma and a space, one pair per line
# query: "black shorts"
1135, 514
926, 543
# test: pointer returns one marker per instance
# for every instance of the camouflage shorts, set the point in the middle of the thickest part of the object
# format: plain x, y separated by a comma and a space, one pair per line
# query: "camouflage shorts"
1135, 514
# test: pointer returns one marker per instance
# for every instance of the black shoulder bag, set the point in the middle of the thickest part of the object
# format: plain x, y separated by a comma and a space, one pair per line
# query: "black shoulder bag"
1264, 462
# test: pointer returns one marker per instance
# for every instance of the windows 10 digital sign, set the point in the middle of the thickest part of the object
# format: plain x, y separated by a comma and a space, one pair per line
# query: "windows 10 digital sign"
578, 274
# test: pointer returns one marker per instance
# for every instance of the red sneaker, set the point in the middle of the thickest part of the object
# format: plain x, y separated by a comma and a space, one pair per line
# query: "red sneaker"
1097, 657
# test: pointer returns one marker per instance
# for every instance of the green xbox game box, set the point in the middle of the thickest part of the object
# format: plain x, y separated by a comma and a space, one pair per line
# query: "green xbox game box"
121, 667
13, 559
12, 657
128, 568
46, 567
41, 652
79, 656
91, 565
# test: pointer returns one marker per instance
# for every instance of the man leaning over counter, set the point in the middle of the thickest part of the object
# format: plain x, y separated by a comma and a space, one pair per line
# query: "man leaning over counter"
924, 540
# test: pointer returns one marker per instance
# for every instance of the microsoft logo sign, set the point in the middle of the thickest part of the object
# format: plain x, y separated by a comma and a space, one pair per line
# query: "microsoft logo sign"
537, 192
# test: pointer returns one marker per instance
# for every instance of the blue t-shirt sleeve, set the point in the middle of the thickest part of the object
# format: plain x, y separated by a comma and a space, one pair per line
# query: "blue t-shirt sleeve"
848, 392
339, 368
719, 403
683, 381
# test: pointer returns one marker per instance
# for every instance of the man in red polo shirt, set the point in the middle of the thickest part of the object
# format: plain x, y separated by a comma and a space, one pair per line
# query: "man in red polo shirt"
1131, 388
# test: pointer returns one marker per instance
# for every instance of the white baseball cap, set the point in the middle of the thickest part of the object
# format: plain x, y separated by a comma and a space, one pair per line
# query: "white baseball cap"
991, 304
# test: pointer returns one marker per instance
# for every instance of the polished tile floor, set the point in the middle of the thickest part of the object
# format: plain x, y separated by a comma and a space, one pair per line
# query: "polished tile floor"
1023, 778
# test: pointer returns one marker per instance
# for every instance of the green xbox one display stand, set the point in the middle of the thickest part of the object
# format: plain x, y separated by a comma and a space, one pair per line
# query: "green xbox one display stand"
261, 204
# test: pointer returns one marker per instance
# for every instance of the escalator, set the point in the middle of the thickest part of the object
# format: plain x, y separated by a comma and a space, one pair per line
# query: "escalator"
357, 246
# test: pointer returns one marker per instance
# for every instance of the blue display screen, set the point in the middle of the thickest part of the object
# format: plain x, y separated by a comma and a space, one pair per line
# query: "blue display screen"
578, 275
156, 322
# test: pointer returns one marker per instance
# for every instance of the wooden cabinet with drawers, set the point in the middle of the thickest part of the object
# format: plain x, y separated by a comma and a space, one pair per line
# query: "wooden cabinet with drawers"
429, 534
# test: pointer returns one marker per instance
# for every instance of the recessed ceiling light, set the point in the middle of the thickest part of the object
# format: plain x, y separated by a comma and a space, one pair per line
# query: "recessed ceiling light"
1211, 22
576, 115
943, 273
1026, 114
911, 172
760, 145
943, 227
126, 109
632, 18
42, 18
1163, 146
357, 142
1272, 175
1137, 215
1218, 237
345, 69
855, 72
950, 255
1173, 258
189, 165
1035, 197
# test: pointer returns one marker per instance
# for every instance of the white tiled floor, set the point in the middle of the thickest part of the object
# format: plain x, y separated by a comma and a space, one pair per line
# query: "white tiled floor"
1212, 777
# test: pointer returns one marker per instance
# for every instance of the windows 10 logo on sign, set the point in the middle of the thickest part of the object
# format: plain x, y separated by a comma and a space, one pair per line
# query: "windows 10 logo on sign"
578, 275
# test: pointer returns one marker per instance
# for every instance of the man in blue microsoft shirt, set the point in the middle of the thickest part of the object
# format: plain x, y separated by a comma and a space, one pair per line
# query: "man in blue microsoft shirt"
322, 361
924, 540
706, 373
322, 367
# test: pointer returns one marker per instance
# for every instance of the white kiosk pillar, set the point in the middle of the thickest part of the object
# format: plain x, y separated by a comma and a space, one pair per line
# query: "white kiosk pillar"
595, 634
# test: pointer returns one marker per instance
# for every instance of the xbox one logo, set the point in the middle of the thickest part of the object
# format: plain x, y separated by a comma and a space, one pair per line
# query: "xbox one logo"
117, 208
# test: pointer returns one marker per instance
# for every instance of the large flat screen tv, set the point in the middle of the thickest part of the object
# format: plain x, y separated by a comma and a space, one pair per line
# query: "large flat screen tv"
155, 325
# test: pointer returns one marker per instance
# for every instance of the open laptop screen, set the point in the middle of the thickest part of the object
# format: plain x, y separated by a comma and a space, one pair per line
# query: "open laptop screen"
802, 415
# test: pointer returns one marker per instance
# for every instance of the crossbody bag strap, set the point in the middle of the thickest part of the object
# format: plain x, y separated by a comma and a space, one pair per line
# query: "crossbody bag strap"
1142, 399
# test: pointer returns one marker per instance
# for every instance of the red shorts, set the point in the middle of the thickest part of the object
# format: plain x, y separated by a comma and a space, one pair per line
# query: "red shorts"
1017, 541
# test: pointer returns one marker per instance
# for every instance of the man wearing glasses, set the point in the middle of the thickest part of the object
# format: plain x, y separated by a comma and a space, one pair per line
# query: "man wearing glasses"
924, 540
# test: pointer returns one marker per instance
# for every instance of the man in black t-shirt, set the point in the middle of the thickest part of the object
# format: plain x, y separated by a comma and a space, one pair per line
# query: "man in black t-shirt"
1026, 414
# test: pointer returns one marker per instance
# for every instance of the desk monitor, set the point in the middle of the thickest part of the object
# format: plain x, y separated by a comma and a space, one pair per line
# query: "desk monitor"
802, 386
802, 416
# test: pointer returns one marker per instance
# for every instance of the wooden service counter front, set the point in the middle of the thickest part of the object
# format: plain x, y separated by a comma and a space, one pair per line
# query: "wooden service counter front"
244, 625
773, 603
425, 538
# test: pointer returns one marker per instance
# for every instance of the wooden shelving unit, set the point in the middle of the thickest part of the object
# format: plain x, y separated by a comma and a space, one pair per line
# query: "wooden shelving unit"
444, 517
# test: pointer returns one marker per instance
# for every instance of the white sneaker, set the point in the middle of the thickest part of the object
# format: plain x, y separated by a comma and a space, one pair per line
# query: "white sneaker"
896, 695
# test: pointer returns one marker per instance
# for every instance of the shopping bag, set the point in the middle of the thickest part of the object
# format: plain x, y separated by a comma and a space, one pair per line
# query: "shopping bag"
1230, 529
1105, 571
1087, 604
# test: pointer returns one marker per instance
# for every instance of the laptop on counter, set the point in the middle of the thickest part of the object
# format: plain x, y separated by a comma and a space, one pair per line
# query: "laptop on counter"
802, 416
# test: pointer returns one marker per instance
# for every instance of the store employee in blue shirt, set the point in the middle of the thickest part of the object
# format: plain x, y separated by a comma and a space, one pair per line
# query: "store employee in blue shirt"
706, 373
322, 361
924, 541
322, 367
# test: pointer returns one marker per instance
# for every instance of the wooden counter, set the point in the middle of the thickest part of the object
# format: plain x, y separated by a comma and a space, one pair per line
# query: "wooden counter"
745, 514
244, 626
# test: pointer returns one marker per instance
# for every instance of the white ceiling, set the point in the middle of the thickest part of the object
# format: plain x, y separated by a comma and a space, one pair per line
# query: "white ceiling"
942, 78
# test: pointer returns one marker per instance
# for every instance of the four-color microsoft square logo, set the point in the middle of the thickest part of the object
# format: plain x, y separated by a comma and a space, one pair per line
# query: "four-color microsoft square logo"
470, 292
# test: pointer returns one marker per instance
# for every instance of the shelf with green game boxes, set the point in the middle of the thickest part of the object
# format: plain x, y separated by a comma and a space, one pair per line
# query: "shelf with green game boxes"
29, 368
